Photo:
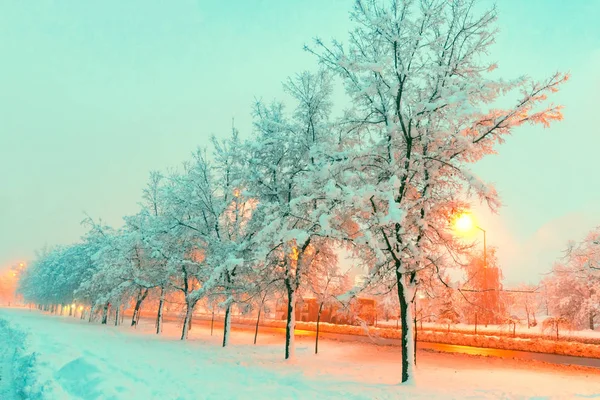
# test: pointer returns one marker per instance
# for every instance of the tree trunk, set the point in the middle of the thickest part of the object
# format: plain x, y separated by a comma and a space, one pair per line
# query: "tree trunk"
407, 343
317, 335
91, 313
138, 304
186, 321
591, 320
212, 321
117, 315
105, 313
227, 325
257, 322
159, 315
291, 321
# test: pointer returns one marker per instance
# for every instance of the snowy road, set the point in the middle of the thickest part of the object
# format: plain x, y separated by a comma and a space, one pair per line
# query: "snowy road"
78, 360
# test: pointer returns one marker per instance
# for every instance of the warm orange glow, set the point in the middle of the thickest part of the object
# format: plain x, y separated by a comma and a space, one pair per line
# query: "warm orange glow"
236, 193
80, 308
73, 305
464, 223
295, 253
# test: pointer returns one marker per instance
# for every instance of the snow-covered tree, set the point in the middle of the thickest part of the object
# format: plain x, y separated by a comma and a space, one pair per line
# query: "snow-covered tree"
292, 178
574, 287
425, 104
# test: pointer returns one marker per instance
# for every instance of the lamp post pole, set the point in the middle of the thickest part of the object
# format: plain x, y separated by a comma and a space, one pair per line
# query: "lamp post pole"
485, 280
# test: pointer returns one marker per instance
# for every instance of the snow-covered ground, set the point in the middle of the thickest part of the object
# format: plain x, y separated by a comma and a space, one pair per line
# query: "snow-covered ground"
75, 359
493, 337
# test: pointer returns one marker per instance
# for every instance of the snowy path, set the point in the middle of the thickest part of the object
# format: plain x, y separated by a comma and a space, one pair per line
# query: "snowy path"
77, 360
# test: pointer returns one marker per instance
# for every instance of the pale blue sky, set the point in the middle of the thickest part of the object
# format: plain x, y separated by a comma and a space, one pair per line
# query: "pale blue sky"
94, 95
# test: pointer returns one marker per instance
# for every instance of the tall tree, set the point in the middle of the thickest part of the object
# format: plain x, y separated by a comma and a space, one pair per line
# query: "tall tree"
425, 104
292, 179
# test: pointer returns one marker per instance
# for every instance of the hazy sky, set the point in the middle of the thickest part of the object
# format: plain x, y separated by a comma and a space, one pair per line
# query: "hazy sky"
95, 94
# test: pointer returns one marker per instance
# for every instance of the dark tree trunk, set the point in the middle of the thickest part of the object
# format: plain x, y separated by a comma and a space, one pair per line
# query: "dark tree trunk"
405, 321
91, 313
212, 321
159, 315
262, 303
138, 304
105, 313
291, 320
257, 322
117, 312
227, 325
592, 320
317, 335
187, 320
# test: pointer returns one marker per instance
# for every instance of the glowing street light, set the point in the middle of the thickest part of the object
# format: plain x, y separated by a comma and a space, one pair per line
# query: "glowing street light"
464, 223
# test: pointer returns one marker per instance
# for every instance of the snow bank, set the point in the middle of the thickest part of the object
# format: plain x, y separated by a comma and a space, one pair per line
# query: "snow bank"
18, 375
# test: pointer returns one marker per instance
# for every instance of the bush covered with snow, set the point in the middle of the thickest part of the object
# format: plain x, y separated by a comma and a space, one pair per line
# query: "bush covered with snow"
21, 365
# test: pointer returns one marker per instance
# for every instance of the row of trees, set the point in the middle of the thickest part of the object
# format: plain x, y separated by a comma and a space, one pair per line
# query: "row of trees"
381, 181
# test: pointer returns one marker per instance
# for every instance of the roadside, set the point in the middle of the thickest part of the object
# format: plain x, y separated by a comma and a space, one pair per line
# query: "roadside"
584, 347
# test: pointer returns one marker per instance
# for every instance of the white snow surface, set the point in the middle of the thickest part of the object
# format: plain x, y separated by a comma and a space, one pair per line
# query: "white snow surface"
78, 360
